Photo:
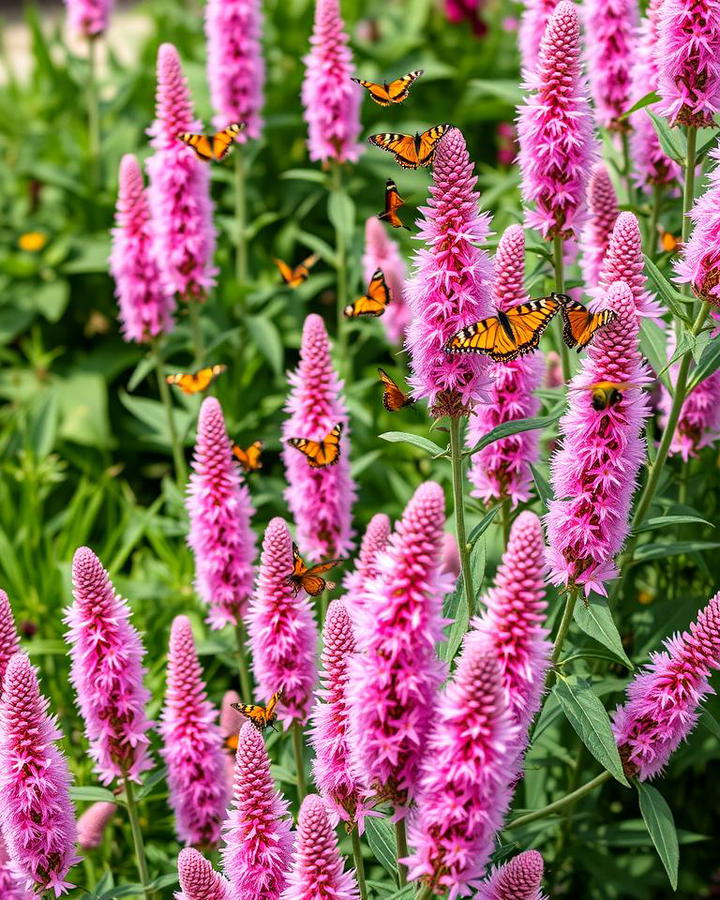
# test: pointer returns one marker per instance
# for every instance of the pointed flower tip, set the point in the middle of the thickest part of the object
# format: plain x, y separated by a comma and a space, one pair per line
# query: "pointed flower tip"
518, 879
198, 879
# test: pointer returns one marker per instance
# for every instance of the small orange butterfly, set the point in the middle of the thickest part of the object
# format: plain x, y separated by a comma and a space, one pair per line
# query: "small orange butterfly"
249, 459
294, 277
308, 578
411, 151
668, 241
320, 453
374, 302
216, 146
194, 382
579, 324
390, 92
260, 716
393, 398
393, 202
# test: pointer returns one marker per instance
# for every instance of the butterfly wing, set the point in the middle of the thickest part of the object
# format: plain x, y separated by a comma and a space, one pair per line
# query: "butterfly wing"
200, 143
377, 92
231, 742
374, 302
270, 714
287, 274
580, 325
393, 200
402, 145
223, 140
393, 398
428, 143
193, 383
256, 714
529, 320
249, 459
398, 90
485, 336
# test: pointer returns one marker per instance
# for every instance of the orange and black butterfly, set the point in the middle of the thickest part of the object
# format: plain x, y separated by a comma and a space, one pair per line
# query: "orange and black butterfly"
195, 382
294, 277
374, 302
262, 717
320, 453
249, 459
579, 324
216, 146
411, 151
393, 398
308, 578
390, 91
509, 334
393, 202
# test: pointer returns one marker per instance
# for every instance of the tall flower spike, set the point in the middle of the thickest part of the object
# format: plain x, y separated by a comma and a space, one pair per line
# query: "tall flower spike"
146, 306
374, 541
198, 879
192, 744
450, 285
533, 22
555, 129
319, 499
699, 265
107, 672
317, 870
624, 261
594, 473
235, 67
220, 511
381, 252
9, 642
664, 698
88, 18
258, 839
395, 674
92, 824
38, 820
231, 721
283, 634
12, 882
518, 879
179, 188
502, 470
610, 54
603, 210
330, 98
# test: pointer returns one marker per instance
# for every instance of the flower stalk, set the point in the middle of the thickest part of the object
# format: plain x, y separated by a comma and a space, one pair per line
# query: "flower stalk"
359, 864
241, 272
402, 850
562, 803
166, 399
138, 843
458, 503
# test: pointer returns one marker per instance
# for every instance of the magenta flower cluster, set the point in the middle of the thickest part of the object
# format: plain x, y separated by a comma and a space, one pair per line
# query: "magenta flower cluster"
602, 211
611, 54
89, 18
699, 265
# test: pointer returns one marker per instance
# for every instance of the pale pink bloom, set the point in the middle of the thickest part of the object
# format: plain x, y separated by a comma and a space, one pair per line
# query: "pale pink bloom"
89, 18
553, 370
699, 264
611, 50
450, 555
374, 541
603, 210
9, 642
518, 879
381, 252
92, 824
198, 880
625, 261
532, 28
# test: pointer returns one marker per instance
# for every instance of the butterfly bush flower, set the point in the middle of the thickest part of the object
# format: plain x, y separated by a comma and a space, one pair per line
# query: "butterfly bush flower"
518, 879
594, 473
612, 25
283, 634
555, 129
38, 821
502, 470
220, 510
395, 674
699, 264
92, 824
450, 285
258, 837
319, 499
107, 672
533, 22
89, 18
603, 210
179, 188
374, 541
664, 698
331, 100
198, 879
624, 261
381, 252
235, 67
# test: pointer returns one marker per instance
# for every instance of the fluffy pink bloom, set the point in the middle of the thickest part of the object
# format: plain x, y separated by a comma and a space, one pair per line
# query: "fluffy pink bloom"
220, 511
192, 744
317, 870
532, 28
283, 634
602, 206
555, 128
458, 11
88, 18
503, 469
450, 286
107, 672
12, 882
699, 264
663, 699
231, 721
610, 54
198, 879
256, 857
688, 55
38, 822
394, 676
9, 643
92, 824
330, 98
235, 67
146, 307
518, 879
319, 499
594, 473
624, 261
464, 790
374, 541
179, 187
381, 252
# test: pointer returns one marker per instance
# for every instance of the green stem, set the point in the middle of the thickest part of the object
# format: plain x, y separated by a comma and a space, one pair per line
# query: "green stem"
297, 737
627, 167
457, 483
240, 218
166, 398
243, 668
341, 263
564, 627
559, 266
359, 864
402, 850
137, 836
425, 893
505, 520
93, 111
655, 209
689, 187
560, 804
196, 332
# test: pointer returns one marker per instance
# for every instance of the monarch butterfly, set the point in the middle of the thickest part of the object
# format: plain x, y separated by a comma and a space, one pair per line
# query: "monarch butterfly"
393, 202
260, 716
294, 277
510, 334
193, 383
308, 578
393, 398
411, 151
374, 302
604, 394
216, 146
320, 453
249, 459
390, 92
579, 324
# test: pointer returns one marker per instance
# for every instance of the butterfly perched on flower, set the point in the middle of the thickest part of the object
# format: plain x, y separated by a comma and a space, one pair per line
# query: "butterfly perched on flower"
308, 578
390, 91
507, 334
248, 458
411, 151
579, 324
393, 202
195, 382
320, 453
372, 303
216, 146
294, 277
393, 398
604, 394
262, 717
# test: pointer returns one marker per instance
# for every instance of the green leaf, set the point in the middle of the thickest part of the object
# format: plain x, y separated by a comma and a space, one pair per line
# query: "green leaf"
341, 212
478, 560
518, 426
596, 620
710, 722
151, 781
93, 794
267, 338
672, 140
381, 837
163, 881
305, 175
406, 437
647, 100
653, 343
659, 551
669, 521
483, 524
709, 362
454, 608
42, 428
665, 289
659, 821
542, 485
506, 89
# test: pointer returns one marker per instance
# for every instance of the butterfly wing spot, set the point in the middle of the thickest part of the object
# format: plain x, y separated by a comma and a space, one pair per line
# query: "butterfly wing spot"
411, 151
374, 302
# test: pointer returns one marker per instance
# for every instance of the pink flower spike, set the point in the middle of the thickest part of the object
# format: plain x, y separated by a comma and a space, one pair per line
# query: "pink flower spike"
319, 499
374, 541
220, 511
624, 261
38, 818
192, 744
699, 264
381, 252
610, 55
518, 879
603, 210
555, 129
146, 307
317, 870
12, 883
664, 698
330, 98
92, 824
258, 839
283, 634
107, 672
198, 879
450, 285
88, 18
9, 641
532, 28
231, 721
